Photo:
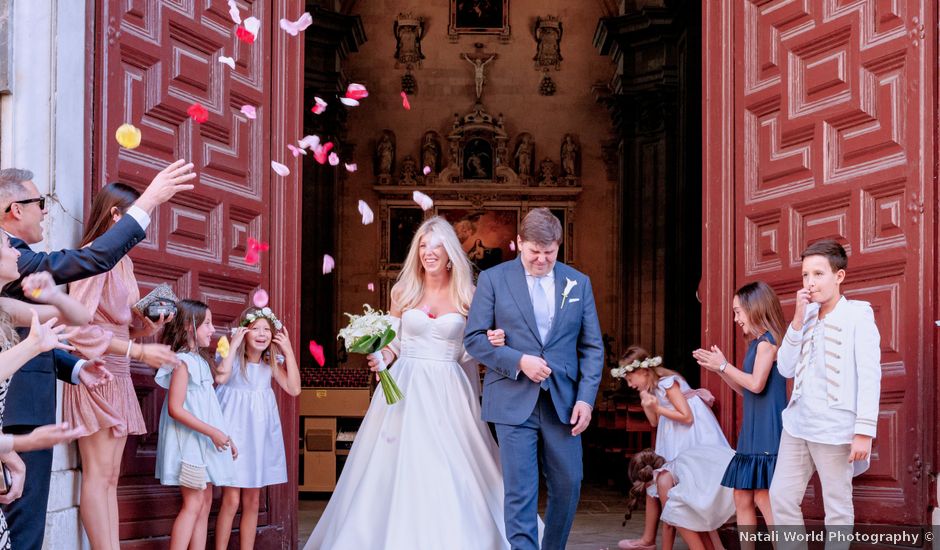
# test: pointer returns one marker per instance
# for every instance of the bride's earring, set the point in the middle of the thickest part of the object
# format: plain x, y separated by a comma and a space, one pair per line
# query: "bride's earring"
450, 265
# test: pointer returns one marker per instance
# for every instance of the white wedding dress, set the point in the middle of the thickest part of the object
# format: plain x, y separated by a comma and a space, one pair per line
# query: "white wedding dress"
423, 473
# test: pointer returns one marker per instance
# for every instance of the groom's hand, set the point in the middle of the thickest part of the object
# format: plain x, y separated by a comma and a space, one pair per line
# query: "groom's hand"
535, 368
580, 417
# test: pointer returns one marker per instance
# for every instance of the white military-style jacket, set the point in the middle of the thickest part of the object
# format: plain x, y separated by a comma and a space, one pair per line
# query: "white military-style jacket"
852, 347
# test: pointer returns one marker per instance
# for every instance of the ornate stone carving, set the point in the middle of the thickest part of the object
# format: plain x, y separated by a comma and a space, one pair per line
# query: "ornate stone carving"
408, 32
385, 155
547, 172
569, 156
548, 31
409, 172
524, 155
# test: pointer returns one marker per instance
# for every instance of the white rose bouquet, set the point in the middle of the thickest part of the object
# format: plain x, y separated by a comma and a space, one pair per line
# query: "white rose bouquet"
368, 334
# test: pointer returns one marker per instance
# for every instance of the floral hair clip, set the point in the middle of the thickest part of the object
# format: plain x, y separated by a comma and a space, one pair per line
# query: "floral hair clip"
264, 313
626, 368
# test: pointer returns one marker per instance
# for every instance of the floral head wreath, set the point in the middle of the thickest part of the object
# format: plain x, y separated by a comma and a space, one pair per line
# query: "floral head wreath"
264, 313
625, 368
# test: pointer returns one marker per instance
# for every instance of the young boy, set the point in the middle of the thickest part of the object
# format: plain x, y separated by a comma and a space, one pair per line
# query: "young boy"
832, 348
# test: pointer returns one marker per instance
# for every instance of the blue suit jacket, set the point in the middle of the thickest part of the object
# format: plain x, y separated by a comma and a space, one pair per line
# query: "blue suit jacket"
573, 349
31, 396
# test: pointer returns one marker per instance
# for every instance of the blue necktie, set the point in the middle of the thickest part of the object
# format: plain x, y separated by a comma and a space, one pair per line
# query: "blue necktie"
543, 315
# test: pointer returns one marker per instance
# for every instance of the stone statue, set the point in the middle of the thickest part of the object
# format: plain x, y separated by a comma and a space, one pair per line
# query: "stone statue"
431, 153
547, 176
478, 77
569, 156
523, 156
385, 154
408, 171
408, 32
548, 32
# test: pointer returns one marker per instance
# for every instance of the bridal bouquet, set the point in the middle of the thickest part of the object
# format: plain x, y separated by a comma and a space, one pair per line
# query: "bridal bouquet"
368, 334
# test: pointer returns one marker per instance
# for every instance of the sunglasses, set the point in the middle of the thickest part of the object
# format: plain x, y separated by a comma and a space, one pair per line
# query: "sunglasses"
40, 200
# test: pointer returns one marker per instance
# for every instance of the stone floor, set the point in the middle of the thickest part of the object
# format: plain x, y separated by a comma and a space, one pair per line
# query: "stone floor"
596, 526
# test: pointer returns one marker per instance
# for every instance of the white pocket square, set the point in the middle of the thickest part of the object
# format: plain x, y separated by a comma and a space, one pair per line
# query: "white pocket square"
573, 300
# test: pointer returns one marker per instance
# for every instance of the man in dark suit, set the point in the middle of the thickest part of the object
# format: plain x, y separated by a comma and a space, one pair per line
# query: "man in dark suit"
31, 398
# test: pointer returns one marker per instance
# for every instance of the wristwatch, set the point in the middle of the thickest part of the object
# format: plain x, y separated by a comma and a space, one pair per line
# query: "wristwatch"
722, 367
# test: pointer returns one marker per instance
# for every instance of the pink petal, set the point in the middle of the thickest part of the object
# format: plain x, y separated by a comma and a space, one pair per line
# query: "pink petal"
356, 91
422, 200
227, 61
319, 107
328, 263
294, 27
296, 151
280, 169
349, 102
426, 170
351, 167
260, 298
253, 25
512, 245
334, 159
251, 257
320, 152
249, 111
404, 101
309, 142
367, 215
371, 287
233, 12
316, 350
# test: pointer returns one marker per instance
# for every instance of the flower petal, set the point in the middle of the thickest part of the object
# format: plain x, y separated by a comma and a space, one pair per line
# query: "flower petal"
367, 215
356, 91
225, 60
233, 12
294, 27
280, 169
127, 136
512, 245
260, 298
309, 142
249, 111
328, 263
296, 151
351, 167
349, 102
320, 152
319, 107
371, 287
245, 35
253, 25
316, 350
422, 200
334, 159
426, 170
404, 101
198, 113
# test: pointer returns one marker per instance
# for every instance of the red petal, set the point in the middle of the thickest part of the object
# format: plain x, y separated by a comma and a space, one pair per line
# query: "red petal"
316, 350
404, 101
245, 35
198, 113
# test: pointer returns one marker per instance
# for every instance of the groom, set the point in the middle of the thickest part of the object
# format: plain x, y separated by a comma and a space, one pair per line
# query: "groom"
542, 383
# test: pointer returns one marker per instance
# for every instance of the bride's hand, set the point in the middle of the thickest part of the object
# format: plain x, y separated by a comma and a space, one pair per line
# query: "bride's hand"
387, 355
496, 337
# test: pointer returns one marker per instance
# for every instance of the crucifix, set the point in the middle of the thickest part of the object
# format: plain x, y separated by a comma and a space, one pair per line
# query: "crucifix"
479, 60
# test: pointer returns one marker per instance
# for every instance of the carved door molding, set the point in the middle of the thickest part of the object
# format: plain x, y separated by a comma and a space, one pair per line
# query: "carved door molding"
819, 121
152, 60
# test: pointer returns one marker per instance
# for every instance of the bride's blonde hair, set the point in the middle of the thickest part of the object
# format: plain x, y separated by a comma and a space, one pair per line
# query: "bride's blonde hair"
409, 288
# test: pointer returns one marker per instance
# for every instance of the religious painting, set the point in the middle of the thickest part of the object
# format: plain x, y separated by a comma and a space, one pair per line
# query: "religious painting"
479, 17
478, 160
485, 235
403, 223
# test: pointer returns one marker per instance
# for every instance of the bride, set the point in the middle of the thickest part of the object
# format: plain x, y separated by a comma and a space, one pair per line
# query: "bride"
423, 473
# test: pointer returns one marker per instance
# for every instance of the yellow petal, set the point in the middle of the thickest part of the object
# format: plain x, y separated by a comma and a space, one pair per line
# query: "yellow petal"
222, 347
36, 292
128, 136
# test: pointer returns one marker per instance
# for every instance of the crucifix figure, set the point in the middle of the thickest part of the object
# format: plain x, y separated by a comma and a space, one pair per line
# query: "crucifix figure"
478, 62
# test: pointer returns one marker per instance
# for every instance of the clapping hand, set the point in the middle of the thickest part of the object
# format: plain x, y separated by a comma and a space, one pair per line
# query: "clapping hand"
48, 336
40, 287
710, 359
496, 337
93, 374
648, 400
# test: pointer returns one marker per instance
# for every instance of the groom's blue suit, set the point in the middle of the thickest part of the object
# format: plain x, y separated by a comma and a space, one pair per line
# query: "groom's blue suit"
522, 411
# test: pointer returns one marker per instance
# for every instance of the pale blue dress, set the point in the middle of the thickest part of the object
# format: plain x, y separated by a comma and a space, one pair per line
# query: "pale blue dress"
177, 442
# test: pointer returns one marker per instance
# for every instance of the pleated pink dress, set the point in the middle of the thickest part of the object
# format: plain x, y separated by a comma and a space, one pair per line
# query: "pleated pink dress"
113, 405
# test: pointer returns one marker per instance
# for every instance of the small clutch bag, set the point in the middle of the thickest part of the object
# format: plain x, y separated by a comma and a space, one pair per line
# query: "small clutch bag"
160, 301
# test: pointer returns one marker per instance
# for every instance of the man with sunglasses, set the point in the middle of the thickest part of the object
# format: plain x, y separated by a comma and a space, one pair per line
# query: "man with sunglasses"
31, 397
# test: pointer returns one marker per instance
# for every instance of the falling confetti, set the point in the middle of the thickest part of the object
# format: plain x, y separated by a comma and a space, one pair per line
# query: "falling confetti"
319, 107
255, 248
245, 35
260, 298
351, 167
127, 136
225, 60
404, 101
349, 102
320, 152
249, 111
371, 287
356, 91
198, 113
316, 350
280, 169
35, 293
512, 245
296, 151
253, 25
223, 347
294, 27
367, 215
422, 200
233, 12
334, 159
309, 142
426, 170
328, 264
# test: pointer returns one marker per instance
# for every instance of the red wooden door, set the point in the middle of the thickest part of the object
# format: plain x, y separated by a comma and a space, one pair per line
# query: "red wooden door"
819, 122
153, 59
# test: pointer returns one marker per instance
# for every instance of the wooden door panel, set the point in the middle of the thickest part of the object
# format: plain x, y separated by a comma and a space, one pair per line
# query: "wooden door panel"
820, 115
153, 59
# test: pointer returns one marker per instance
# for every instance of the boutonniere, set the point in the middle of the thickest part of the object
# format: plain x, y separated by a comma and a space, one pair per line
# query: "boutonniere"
569, 284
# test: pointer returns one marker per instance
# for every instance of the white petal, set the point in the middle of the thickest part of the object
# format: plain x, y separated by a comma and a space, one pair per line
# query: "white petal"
233, 12
294, 27
422, 200
367, 215
328, 263
253, 25
249, 111
351, 167
296, 151
280, 169
426, 170
334, 159
227, 61
372, 289
348, 102
309, 142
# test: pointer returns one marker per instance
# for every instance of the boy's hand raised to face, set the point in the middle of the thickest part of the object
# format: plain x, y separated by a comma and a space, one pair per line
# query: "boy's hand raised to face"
803, 299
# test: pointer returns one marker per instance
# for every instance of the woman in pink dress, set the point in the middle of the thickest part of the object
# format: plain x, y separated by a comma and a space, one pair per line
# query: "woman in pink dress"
109, 412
